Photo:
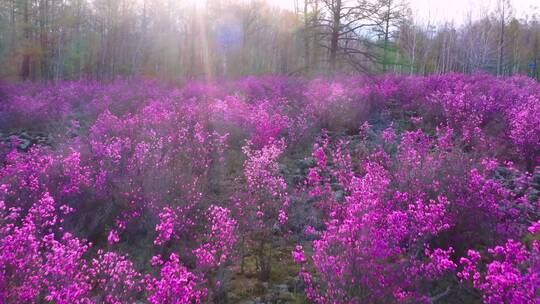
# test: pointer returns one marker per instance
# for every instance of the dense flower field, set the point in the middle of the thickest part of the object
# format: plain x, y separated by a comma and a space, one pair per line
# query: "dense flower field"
384, 189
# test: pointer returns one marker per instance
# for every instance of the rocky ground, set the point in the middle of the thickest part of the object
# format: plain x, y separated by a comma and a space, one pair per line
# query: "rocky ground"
25, 139
283, 287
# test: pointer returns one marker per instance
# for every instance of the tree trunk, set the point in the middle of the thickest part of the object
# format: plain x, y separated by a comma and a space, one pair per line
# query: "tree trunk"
25, 66
386, 38
501, 45
43, 38
336, 14
306, 36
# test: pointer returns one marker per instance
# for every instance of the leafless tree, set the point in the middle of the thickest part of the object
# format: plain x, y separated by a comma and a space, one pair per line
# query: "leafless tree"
346, 26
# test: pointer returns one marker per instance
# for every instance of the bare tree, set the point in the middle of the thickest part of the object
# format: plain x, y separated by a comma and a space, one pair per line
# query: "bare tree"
53, 39
504, 15
346, 26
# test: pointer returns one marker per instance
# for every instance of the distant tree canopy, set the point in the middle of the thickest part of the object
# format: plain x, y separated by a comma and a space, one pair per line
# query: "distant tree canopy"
102, 39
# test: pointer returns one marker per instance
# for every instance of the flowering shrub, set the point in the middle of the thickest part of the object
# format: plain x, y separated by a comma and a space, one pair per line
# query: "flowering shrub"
386, 189
35, 263
335, 105
525, 124
394, 211
512, 276
220, 240
176, 284
116, 277
263, 204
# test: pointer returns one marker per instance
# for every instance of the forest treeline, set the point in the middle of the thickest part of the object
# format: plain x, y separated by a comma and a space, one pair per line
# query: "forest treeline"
102, 39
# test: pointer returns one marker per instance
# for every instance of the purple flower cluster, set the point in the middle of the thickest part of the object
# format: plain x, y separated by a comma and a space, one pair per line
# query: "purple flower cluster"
398, 205
386, 189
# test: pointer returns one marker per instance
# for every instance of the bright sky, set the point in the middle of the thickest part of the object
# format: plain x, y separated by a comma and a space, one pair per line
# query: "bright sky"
459, 10
450, 10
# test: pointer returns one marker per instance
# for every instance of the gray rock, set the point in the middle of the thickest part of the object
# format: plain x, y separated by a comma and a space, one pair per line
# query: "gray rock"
340, 195
24, 144
302, 164
297, 179
25, 135
281, 287
284, 297
276, 229
336, 187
